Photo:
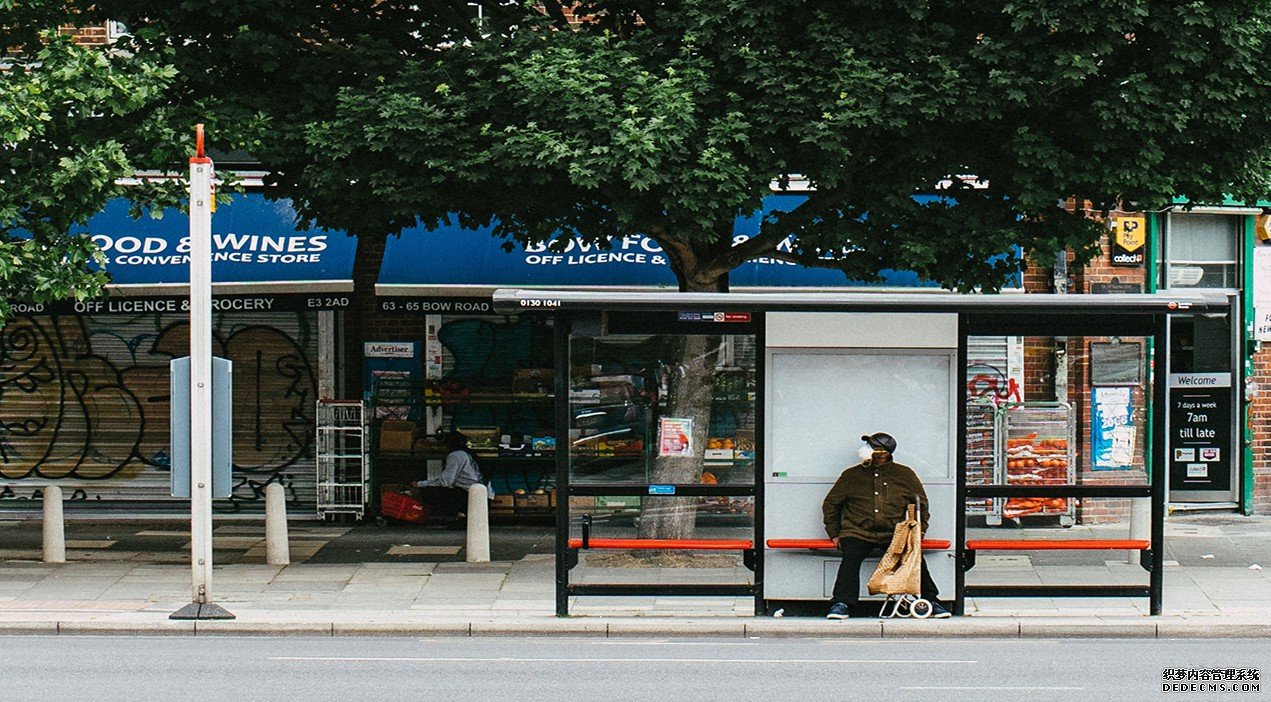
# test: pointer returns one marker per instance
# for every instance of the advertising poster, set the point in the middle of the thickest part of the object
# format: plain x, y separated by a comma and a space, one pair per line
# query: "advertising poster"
390, 374
675, 436
1200, 431
1262, 293
1112, 426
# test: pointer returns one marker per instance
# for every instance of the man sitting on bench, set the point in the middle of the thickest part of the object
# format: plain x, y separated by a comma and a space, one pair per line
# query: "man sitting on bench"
861, 512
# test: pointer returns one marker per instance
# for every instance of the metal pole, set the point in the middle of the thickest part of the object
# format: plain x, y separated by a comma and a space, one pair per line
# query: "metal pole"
201, 376
1160, 467
760, 476
201, 194
560, 348
959, 490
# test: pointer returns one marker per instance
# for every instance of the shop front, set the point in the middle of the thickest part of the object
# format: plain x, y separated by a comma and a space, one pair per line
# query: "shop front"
84, 385
709, 426
441, 358
1212, 358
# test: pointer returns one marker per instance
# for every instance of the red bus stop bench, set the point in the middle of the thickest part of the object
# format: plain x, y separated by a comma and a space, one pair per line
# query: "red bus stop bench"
975, 545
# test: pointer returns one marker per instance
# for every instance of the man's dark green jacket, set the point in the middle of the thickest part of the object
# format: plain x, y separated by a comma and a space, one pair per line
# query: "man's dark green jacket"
867, 501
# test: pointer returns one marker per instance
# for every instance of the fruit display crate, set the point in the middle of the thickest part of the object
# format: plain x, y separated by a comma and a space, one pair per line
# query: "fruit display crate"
1035, 446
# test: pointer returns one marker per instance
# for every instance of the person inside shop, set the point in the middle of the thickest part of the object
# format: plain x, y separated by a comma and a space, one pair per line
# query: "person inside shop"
861, 512
447, 494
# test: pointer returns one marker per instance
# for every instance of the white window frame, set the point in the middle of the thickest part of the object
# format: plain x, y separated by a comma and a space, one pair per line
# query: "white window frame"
1167, 260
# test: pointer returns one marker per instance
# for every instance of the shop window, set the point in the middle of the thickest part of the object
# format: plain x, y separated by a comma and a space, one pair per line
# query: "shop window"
1200, 344
1202, 250
662, 408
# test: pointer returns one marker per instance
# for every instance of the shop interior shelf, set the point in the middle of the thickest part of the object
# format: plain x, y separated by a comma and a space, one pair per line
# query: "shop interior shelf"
487, 399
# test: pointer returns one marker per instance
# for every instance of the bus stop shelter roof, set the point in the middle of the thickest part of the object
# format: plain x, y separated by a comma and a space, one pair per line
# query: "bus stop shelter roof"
995, 305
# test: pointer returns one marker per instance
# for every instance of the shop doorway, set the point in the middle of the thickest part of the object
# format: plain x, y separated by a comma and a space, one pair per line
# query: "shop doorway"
1202, 424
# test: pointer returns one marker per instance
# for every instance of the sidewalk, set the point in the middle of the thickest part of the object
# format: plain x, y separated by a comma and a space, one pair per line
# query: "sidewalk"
414, 582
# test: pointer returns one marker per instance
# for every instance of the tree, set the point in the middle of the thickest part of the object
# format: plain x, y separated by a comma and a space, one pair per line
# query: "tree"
66, 112
670, 118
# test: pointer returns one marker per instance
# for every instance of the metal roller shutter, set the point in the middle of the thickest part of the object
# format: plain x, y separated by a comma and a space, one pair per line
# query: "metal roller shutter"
84, 404
993, 362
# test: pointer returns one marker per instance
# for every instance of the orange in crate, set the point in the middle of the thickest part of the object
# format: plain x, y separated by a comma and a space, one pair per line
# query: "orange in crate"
401, 507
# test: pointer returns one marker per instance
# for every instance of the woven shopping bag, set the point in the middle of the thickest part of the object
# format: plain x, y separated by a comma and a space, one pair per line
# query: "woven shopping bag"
900, 570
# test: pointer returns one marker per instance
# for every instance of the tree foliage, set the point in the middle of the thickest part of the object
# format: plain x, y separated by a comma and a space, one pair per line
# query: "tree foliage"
670, 118
67, 114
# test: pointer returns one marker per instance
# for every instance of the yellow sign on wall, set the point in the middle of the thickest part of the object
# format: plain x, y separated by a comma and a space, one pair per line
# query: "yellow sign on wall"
1130, 231
1129, 237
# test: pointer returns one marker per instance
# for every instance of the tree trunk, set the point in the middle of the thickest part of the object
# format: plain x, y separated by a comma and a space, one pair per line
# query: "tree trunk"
358, 320
690, 392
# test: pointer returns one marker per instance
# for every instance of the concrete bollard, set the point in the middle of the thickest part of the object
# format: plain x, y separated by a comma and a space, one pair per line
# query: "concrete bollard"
54, 526
478, 524
277, 548
1140, 525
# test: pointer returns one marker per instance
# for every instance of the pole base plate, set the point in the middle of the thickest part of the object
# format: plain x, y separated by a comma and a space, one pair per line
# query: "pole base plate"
194, 610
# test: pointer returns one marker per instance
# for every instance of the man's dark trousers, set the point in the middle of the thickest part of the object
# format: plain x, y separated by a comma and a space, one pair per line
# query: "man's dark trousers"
847, 586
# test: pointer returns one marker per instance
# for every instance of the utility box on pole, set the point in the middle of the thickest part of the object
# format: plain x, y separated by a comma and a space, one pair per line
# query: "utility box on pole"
222, 427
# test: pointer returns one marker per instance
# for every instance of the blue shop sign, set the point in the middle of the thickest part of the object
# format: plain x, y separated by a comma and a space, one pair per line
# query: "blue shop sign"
450, 259
254, 240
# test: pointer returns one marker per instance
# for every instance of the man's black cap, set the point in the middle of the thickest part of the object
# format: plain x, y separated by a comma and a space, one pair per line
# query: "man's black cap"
880, 440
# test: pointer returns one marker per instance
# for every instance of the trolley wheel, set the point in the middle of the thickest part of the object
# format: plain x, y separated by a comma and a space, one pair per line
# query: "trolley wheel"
920, 609
381, 522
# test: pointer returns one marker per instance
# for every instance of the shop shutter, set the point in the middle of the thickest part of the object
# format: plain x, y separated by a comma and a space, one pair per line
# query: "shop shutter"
992, 363
84, 404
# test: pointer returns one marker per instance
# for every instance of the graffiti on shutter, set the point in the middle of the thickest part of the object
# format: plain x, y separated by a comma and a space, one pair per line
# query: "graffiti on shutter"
84, 403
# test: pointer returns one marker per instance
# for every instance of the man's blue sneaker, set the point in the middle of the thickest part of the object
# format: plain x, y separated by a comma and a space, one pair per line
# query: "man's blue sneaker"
939, 612
838, 610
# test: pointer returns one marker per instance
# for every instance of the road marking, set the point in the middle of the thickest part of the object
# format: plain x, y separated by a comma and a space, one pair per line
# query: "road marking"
712, 644
992, 688
439, 659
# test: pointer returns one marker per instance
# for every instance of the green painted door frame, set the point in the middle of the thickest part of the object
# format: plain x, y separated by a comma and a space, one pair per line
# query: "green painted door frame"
1245, 369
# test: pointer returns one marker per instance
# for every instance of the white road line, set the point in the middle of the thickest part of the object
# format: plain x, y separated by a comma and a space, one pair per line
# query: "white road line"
991, 688
712, 644
439, 659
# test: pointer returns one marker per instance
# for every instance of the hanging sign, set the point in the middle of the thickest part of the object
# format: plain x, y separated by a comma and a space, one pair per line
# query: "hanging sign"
675, 436
1262, 293
1200, 431
1112, 428
1129, 240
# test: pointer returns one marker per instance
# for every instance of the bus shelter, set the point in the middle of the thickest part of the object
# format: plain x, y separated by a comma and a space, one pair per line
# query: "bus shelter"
695, 424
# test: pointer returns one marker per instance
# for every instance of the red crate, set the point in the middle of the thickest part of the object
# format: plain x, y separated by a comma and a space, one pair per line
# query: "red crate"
401, 507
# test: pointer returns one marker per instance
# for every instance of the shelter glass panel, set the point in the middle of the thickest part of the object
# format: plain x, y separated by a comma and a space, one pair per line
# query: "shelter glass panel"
662, 409
1077, 413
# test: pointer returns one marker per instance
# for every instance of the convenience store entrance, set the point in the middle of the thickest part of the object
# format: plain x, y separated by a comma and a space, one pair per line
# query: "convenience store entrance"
1204, 428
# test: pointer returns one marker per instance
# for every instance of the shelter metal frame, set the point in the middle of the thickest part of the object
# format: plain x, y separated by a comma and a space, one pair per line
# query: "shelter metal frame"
1027, 315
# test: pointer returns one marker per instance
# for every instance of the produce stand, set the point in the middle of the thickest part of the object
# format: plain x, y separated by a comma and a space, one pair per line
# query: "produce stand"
1035, 446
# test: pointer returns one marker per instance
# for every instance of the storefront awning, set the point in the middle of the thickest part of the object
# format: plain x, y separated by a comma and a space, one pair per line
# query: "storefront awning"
256, 248
451, 261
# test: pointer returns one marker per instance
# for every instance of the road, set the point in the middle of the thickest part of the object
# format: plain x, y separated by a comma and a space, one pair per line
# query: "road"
242, 669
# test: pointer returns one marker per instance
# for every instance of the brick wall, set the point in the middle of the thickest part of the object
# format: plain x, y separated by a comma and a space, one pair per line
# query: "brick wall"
1039, 373
87, 36
1260, 417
